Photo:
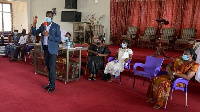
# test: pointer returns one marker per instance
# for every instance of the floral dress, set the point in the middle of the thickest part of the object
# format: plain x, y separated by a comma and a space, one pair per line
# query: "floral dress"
160, 86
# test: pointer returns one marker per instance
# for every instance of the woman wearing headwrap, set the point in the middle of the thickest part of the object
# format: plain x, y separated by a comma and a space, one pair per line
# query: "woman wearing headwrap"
159, 87
97, 52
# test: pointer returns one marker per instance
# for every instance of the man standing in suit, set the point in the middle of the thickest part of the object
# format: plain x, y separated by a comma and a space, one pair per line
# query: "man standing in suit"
50, 38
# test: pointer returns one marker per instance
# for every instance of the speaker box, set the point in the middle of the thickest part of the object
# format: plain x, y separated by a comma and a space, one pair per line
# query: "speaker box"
71, 4
70, 16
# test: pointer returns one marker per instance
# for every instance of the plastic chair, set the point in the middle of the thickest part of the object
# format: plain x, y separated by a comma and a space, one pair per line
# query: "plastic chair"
151, 67
126, 66
175, 87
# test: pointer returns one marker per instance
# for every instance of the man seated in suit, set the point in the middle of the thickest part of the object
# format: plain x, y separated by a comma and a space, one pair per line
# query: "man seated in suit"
21, 47
9, 49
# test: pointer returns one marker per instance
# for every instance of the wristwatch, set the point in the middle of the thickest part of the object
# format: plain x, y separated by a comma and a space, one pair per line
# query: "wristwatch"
173, 73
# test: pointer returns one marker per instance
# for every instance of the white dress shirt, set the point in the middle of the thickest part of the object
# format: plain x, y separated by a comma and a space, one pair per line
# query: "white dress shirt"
23, 39
45, 37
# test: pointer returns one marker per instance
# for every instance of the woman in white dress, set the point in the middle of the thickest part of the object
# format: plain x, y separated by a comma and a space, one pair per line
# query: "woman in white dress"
116, 66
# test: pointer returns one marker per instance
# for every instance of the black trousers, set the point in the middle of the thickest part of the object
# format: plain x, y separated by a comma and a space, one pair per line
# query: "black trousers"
50, 60
18, 49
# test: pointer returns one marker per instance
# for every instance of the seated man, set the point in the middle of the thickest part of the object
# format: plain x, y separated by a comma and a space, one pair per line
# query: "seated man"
21, 47
9, 49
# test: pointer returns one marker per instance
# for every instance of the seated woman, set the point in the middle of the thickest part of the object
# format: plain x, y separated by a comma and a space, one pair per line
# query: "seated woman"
97, 52
115, 67
159, 87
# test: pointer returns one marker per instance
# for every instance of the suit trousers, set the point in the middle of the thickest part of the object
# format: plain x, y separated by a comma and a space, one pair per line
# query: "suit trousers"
50, 60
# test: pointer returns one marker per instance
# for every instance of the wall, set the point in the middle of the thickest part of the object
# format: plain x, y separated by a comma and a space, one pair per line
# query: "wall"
88, 7
39, 7
20, 15
25, 25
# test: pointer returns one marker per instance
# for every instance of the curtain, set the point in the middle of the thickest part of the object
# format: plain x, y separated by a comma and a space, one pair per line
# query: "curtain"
143, 13
120, 17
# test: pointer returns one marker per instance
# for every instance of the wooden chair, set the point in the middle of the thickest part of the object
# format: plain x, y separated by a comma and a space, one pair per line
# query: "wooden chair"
187, 36
148, 39
167, 37
131, 35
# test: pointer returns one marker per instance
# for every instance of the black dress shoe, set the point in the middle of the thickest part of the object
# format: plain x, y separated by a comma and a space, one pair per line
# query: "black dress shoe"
4, 56
50, 90
47, 86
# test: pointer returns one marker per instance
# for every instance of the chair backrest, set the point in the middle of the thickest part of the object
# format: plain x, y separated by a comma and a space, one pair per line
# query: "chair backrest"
180, 80
132, 30
98, 30
149, 31
152, 63
111, 59
188, 33
167, 32
127, 65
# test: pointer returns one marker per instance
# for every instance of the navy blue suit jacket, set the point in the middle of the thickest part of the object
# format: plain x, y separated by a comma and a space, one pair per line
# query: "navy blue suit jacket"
53, 39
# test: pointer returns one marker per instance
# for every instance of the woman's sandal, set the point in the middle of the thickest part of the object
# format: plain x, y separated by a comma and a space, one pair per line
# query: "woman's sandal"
110, 81
150, 100
156, 106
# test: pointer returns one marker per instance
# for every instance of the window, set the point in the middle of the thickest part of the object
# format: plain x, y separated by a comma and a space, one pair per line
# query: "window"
5, 17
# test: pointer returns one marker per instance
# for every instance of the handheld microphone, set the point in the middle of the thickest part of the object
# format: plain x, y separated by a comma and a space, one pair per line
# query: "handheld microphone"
45, 25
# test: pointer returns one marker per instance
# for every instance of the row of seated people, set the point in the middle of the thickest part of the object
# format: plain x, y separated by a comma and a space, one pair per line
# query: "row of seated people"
158, 91
184, 67
19, 47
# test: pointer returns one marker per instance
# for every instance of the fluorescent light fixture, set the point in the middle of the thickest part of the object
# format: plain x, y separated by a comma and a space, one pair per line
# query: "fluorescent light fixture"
96, 1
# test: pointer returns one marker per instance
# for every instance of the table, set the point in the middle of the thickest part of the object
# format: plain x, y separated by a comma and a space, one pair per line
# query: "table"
68, 62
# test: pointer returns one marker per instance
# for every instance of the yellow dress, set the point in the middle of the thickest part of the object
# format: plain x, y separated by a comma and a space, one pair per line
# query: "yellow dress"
160, 86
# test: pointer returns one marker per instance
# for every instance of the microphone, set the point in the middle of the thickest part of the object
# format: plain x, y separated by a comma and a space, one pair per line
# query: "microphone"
45, 25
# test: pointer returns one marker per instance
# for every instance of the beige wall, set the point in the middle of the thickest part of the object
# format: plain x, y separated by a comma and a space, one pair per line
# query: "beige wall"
20, 17
39, 7
26, 12
88, 7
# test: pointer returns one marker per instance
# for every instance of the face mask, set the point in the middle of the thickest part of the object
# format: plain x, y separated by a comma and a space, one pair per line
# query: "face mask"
98, 43
15, 33
48, 19
185, 57
66, 38
23, 33
123, 45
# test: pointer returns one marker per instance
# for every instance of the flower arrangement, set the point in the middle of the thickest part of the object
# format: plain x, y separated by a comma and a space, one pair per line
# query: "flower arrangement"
93, 20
